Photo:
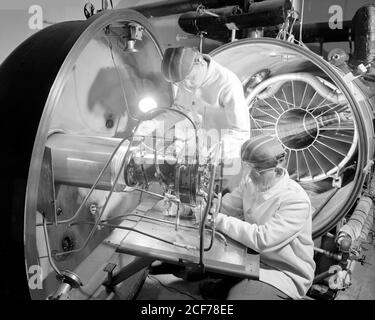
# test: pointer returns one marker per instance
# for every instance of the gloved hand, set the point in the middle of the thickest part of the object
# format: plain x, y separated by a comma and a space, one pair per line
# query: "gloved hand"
169, 208
198, 211
342, 236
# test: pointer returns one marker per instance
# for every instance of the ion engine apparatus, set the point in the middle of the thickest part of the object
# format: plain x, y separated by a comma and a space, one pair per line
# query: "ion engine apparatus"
87, 184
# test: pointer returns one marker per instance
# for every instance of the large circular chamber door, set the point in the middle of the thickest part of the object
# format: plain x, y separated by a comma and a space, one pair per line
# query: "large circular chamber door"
70, 94
322, 119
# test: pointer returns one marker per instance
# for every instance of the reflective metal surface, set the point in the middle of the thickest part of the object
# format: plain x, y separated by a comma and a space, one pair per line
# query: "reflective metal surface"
90, 173
321, 117
89, 87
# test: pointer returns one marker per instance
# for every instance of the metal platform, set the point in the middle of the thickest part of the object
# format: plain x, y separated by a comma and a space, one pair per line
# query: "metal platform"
230, 258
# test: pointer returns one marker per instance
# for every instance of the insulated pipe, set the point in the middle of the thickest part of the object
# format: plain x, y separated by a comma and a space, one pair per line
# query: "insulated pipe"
367, 227
358, 219
361, 220
265, 13
165, 8
78, 160
279, 80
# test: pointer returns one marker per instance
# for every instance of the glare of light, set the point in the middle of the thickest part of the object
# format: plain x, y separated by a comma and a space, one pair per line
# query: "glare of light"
147, 104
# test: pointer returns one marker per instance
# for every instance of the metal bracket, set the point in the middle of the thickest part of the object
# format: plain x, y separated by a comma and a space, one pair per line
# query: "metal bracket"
133, 267
109, 269
88, 10
337, 181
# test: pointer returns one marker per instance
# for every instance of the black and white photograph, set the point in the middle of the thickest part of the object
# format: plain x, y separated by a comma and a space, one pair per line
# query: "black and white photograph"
183, 155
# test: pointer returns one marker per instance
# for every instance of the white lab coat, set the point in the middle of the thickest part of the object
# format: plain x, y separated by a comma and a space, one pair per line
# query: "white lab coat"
219, 103
219, 110
276, 223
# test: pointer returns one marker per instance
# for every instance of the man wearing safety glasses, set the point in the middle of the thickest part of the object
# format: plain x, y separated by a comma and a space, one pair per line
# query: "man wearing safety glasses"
207, 90
271, 214
212, 96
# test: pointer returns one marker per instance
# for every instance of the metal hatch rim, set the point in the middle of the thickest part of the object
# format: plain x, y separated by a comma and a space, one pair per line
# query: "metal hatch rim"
333, 74
98, 22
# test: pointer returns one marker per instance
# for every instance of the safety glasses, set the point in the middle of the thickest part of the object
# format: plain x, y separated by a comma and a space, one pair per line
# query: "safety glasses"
254, 169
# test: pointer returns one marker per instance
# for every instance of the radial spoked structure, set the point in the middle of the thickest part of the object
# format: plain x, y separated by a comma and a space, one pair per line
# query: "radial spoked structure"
312, 120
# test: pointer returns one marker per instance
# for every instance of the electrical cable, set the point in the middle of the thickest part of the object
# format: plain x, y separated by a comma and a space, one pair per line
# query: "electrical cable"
166, 222
207, 209
51, 262
113, 226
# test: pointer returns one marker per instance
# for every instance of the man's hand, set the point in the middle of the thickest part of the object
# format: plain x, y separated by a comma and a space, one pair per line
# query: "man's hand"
198, 211
170, 207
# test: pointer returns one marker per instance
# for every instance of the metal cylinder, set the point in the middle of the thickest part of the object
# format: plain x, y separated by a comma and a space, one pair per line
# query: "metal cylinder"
78, 160
143, 167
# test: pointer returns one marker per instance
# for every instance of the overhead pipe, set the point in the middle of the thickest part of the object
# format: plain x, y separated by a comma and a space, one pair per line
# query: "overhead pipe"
275, 83
260, 14
170, 7
312, 33
361, 30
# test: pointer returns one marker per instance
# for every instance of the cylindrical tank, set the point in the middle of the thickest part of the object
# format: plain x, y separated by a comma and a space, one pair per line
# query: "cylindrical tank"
76, 78
78, 160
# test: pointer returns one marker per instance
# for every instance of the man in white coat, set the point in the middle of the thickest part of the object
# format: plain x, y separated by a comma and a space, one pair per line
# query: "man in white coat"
271, 214
212, 96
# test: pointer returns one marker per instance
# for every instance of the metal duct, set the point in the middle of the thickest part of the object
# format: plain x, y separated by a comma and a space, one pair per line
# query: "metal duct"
266, 13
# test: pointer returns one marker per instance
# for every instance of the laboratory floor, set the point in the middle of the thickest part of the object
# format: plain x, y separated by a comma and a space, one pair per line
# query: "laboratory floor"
169, 287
